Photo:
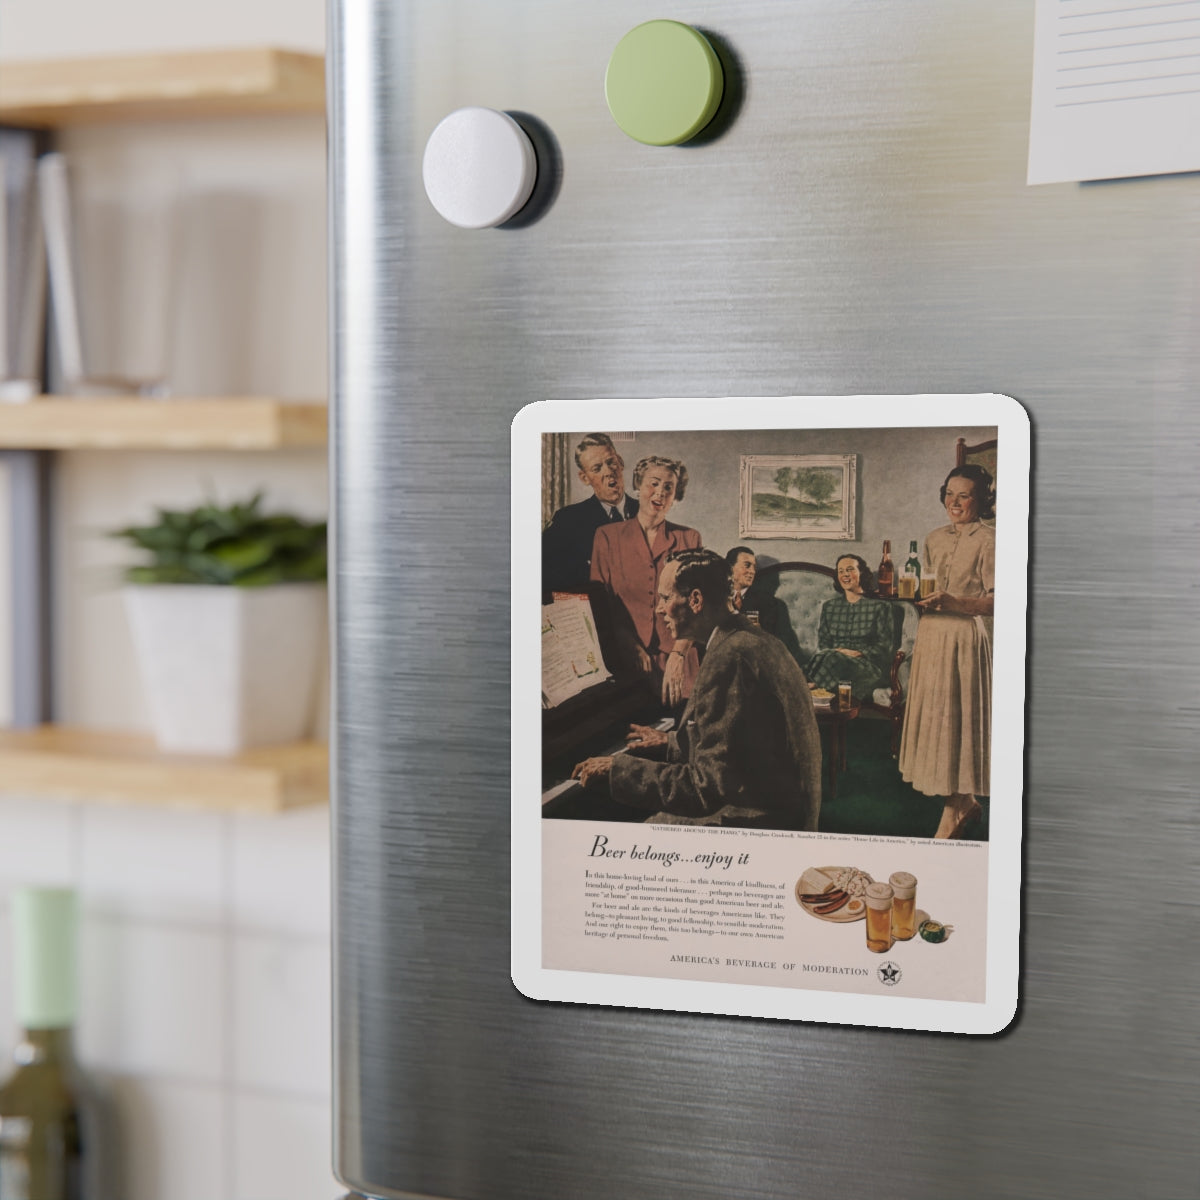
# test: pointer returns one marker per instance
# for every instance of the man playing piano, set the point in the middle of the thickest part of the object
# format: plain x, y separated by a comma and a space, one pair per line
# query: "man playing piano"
747, 751
567, 540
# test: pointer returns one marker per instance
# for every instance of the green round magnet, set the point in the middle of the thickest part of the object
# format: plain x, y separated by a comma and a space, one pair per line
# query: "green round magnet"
664, 82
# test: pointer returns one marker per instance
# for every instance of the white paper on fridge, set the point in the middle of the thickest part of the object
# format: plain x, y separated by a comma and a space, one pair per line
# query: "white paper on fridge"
1116, 89
752, 847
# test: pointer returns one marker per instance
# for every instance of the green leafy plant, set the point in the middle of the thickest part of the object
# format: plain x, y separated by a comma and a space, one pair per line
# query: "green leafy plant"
238, 546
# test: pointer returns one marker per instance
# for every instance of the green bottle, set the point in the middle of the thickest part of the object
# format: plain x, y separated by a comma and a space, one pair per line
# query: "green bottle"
911, 579
41, 1106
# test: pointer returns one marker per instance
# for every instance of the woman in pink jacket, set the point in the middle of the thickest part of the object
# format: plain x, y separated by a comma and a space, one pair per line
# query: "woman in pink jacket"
627, 558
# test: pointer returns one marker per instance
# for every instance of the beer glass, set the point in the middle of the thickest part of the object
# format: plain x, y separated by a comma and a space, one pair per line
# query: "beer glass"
904, 905
878, 897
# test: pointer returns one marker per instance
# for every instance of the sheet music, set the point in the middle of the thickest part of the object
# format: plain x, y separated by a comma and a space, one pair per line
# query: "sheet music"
1116, 89
571, 657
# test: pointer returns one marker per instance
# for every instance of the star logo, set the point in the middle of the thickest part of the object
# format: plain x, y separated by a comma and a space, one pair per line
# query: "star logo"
889, 973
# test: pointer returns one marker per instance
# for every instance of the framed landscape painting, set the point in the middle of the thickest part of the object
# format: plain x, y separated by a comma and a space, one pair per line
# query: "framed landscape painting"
798, 496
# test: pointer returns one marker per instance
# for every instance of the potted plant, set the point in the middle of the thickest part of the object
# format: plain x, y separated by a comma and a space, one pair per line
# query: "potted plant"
228, 620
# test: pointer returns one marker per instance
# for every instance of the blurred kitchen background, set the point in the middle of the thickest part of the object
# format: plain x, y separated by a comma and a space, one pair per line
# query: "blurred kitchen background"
205, 940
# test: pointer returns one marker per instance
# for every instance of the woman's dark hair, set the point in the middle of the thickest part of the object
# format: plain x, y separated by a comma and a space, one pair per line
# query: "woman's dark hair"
985, 488
865, 575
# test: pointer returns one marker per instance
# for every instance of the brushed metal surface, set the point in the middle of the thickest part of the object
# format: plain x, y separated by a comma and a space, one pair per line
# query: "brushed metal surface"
863, 226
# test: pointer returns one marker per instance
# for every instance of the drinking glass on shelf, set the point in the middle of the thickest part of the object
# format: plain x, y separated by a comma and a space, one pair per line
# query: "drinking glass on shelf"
112, 240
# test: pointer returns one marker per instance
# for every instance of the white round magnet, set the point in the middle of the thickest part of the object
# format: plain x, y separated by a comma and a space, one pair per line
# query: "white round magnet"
479, 168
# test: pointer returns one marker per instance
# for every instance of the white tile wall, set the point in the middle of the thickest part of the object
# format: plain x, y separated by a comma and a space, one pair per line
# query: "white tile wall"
65, 28
293, 896
155, 864
160, 995
281, 1015
281, 1150
171, 1140
38, 841
205, 989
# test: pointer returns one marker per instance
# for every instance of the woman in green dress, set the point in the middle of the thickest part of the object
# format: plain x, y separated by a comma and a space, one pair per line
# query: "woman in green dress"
854, 639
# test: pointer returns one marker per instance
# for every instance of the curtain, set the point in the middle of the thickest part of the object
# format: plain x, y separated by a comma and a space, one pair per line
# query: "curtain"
556, 474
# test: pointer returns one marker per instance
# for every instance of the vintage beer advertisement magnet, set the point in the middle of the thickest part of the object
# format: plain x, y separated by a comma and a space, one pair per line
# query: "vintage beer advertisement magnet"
768, 694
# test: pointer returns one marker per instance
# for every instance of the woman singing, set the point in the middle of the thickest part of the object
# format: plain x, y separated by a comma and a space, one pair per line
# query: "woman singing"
627, 558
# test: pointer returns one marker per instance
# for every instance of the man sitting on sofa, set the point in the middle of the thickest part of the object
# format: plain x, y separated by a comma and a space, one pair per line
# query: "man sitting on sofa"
758, 600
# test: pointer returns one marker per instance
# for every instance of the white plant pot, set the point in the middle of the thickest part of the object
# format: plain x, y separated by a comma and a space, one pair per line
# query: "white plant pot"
227, 668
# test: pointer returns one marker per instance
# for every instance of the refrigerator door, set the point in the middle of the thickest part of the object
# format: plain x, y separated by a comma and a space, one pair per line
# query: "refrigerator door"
857, 222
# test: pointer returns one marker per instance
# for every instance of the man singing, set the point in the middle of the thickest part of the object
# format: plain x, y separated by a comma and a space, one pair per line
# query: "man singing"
567, 540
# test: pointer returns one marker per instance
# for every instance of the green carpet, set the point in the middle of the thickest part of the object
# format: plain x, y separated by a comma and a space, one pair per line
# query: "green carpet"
871, 796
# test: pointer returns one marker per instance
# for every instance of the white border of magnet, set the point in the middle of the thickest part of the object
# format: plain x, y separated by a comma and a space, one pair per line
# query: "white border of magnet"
998, 1009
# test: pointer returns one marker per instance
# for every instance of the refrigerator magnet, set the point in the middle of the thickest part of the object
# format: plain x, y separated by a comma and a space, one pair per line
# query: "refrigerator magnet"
768, 667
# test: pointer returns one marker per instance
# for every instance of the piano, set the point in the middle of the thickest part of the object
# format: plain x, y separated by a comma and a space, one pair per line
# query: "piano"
591, 724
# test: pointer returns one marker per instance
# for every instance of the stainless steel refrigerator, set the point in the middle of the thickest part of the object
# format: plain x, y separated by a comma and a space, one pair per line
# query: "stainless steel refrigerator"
856, 220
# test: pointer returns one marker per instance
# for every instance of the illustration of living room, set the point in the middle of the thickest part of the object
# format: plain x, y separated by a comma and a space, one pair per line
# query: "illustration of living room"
868, 552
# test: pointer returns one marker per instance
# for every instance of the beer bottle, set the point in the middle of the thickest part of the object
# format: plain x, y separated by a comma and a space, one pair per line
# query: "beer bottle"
885, 577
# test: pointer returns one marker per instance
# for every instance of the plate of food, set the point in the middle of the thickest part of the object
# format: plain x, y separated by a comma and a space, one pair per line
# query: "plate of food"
833, 893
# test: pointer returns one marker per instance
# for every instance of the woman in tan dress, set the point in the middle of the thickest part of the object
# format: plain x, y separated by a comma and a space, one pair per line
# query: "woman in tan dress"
945, 746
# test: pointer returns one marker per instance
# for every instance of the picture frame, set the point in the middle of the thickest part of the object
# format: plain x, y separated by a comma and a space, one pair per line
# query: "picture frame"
824, 504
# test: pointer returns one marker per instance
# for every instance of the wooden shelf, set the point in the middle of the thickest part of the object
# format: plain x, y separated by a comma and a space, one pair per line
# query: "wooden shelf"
226, 423
215, 83
80, 764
